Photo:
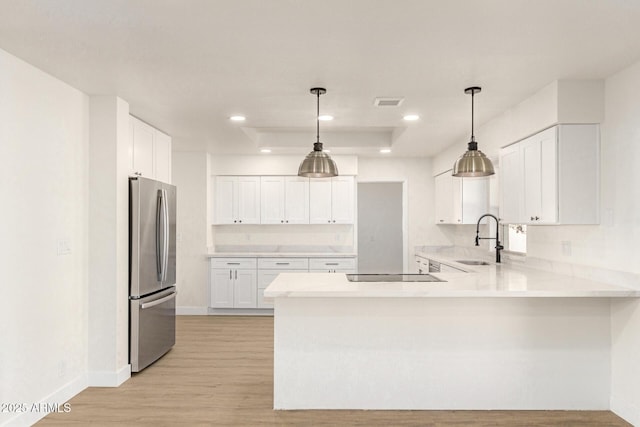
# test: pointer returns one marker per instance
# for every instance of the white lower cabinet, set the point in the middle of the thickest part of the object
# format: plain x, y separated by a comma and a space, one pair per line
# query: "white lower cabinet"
233, 283
332, 265
268, 270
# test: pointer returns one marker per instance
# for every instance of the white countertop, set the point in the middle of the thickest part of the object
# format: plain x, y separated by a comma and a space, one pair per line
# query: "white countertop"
280, 255
494, 280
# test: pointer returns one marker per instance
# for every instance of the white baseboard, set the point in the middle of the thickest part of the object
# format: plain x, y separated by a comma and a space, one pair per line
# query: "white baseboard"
192, 311
629, 411
241, 311
56, 401
109, 378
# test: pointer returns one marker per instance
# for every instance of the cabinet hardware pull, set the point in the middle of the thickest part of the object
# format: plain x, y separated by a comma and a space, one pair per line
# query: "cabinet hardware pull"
230, 274
236, 274
331, 263
282, 263
233, 263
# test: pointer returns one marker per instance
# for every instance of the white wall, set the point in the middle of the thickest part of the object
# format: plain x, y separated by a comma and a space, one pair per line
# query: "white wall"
44, 142
110, 164
615, 243
190, 176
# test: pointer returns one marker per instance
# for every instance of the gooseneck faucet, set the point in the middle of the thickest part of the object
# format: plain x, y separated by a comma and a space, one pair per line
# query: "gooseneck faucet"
499, 247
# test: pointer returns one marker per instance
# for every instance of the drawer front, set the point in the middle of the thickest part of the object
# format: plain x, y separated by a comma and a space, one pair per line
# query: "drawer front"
332, 263
283, 263
233, 263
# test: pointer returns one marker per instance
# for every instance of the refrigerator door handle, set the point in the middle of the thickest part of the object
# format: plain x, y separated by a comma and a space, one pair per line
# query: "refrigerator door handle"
165, 252
162, 235
158, 301
159, 237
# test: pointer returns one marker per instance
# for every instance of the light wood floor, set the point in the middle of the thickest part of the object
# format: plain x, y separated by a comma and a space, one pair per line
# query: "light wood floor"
220, 373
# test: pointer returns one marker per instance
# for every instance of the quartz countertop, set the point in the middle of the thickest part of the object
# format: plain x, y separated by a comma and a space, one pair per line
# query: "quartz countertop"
280, 255
494, 280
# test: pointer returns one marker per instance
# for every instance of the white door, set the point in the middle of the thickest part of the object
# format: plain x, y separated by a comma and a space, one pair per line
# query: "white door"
162, 156
226, 205
444, 198
296, 199
245, 289
142, 148
320, 201
342, 200
222, 288
272, 200
511, 186
249, 199
548, 176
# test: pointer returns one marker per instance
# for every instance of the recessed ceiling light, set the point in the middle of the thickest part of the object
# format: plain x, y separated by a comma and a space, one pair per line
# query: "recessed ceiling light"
265, 150
411, 117
385, 150
325, 118
237, 118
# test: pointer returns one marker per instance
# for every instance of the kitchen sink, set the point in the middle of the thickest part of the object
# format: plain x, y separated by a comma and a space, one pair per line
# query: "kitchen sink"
472, 262
392, 278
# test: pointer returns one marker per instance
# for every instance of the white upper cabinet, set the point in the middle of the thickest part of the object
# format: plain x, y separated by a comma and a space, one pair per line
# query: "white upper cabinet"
150, 151
296, 200
237, 200
331, 200
460, 200
284, 200
552, 177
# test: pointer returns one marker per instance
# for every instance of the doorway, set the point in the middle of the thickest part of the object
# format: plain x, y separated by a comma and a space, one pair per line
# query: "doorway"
380, 227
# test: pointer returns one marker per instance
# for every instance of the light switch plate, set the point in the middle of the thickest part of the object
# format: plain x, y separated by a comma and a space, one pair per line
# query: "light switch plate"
63, 247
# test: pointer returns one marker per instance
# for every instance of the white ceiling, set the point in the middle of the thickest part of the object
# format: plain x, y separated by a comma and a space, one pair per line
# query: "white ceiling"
186, 66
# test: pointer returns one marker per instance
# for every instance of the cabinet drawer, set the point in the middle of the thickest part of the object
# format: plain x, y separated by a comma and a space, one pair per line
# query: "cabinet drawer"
332, 263
233, 263
283, 263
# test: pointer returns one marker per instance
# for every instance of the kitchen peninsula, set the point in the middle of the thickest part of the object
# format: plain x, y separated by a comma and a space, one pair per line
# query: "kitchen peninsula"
495, 337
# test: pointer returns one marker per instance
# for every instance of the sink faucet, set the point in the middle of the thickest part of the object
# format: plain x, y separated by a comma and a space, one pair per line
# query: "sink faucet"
499, 247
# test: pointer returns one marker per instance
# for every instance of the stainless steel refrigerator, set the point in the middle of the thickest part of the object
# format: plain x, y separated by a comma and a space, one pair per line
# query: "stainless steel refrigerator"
152, 271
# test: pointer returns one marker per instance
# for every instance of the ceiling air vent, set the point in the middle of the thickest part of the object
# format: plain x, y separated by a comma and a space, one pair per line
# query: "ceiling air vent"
387, 102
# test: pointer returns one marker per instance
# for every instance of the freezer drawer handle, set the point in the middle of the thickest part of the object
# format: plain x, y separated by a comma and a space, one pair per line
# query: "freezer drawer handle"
233, 263
282, 263
158, 301
331, 263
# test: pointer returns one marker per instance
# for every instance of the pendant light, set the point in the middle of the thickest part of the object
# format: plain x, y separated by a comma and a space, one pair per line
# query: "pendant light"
318, 164
473, 163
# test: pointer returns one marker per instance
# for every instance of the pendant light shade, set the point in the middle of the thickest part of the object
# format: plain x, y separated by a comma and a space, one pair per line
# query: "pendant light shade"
473, 163
318, 164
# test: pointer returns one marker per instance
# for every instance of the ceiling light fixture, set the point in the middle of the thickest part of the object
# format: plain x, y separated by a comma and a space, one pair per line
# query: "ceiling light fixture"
237, 118
385, 150
318, 164
265, 150
473, 162
325, 118
411, 117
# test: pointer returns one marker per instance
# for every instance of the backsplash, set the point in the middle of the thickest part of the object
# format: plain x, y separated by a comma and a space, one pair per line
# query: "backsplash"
287, 238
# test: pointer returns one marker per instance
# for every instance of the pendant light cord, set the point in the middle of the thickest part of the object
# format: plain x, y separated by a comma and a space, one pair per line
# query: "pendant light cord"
473, 138
318, 117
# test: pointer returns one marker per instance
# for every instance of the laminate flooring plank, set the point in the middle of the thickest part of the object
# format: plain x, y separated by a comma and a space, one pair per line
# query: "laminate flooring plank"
220, 373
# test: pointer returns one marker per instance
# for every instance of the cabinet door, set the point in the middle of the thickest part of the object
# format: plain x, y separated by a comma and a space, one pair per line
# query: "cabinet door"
443, 198
320, 201
540, 178
245, 289
162, 156
221, 282
142, 144
511, 185
272, 200
296, 207
342, 200
456, 199
249, 199
226, 205
265, 277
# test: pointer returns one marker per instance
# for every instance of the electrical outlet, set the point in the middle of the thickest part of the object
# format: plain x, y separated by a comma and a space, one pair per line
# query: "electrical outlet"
566, 248
63, 247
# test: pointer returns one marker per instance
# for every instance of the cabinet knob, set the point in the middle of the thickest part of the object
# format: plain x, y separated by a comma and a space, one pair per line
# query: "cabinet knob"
287, 221
234, 221
239, 220
442, 220
531, 218
281, 221
329, 221
334, 220
459, 220
537, 218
